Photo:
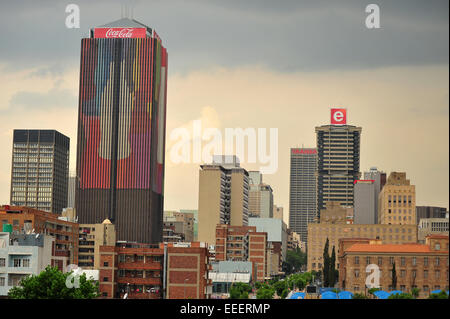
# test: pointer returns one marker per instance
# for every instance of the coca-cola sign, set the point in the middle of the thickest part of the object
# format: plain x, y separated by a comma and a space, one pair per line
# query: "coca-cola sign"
124, 33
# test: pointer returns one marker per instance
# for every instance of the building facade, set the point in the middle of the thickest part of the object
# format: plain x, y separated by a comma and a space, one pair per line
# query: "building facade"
223, 196
40, 170
260, 196
338, 152
148, 271
25, 219
182, 224
366, 200
422, 266
334, 225
302, 190
430, 212
432, 226
397, 201
121, 130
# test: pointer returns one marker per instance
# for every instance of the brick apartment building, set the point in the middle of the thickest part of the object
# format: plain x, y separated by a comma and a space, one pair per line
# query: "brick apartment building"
138, 271
243, 243
422, 266
66, 233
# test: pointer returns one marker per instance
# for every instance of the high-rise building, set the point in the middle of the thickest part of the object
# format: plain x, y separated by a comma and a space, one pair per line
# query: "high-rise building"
365, 202
260, 196
72, 185
40, 170
430, 212
302, 190
338, 146
222, 196
366, 196
397, 201
121, 130
278, 212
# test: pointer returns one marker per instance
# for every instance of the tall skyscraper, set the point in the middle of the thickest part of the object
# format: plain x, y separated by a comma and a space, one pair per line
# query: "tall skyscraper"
121, 130
260, 196
397, 201
302, 190
40, 170
72, 184
222, 196
338, 147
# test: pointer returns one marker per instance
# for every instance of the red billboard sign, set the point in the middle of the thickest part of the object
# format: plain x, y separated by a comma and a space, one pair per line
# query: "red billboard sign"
338, 116
125, 33
303, 151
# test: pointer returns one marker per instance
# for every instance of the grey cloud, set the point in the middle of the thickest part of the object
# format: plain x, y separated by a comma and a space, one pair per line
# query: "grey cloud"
29, 101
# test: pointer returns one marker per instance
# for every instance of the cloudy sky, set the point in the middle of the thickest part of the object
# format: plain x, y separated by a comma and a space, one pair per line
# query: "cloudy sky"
253, 64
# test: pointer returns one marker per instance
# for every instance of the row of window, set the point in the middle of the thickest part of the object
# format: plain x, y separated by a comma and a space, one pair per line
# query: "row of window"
413, 260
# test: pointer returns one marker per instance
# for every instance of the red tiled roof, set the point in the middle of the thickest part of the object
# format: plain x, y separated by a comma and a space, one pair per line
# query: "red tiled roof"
438, 236
392, 248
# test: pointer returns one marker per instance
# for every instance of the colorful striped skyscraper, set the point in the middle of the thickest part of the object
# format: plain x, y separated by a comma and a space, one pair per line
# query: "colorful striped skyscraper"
121, 130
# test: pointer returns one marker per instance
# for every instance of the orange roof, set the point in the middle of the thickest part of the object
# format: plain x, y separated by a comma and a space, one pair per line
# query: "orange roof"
438, 236
392, 248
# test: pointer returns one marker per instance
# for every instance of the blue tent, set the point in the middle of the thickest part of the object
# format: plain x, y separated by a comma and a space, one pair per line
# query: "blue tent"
381, 294
329, 295
393, 292
437, 291
298, 295
345, 295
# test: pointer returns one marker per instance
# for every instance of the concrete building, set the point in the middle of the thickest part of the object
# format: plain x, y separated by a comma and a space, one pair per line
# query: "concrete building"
260, 196
226, 273
432, 226
144, 271
379, 178
71, 188
223, 196
91, 237
42, 222
294, 241
430, 212
22, 255
338, 152
40, 170
423, 266
397, 201
194, 212
366, 200
278, 212
302, 190
277, 238
334, 225
243, 243
179, 225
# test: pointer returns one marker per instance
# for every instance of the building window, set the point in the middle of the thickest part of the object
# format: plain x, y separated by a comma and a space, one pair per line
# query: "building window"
2, 262
356, 260
391, 260
437, 261
2, 281
425, 261
380, 261
17, 262
425, 274
402, 273
368, 260
437, 274
26, 263
105, 294
356, 273
105, 278
403, 261
414, 273
105, 264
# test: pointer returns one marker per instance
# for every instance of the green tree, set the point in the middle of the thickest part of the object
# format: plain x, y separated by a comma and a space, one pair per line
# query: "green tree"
332, 272
359, 296
240, 290
284, 293
394, 277
403, 295
326, 264
280, 286
295, 259
441, 295
415, 292
265, 292
51, 284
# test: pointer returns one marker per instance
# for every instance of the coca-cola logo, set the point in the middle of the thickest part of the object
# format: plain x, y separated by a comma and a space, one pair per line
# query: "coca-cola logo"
122, 33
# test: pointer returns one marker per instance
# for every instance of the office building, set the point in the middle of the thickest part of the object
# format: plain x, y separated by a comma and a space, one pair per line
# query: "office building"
72, 186
194, 213
278, 212
40, 170
121, 130
225, 273
334, 225
422, 266
338, 152
302, 190
260, 196
430, 212
223, 196
397, 201
178, 226
365, 202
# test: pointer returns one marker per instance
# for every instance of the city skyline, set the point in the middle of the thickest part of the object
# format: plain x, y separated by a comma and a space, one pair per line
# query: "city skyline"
388, 97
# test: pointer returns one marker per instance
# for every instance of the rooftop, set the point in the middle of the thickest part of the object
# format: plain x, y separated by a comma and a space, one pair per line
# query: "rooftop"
392, 248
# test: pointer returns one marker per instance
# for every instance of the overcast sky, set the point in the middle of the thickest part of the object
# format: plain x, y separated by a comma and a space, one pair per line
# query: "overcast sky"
256, 64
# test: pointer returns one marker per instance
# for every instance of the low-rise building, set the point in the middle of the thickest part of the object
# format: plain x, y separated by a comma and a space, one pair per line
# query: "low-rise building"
422, 266
22, 255
432, 226
145, 271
